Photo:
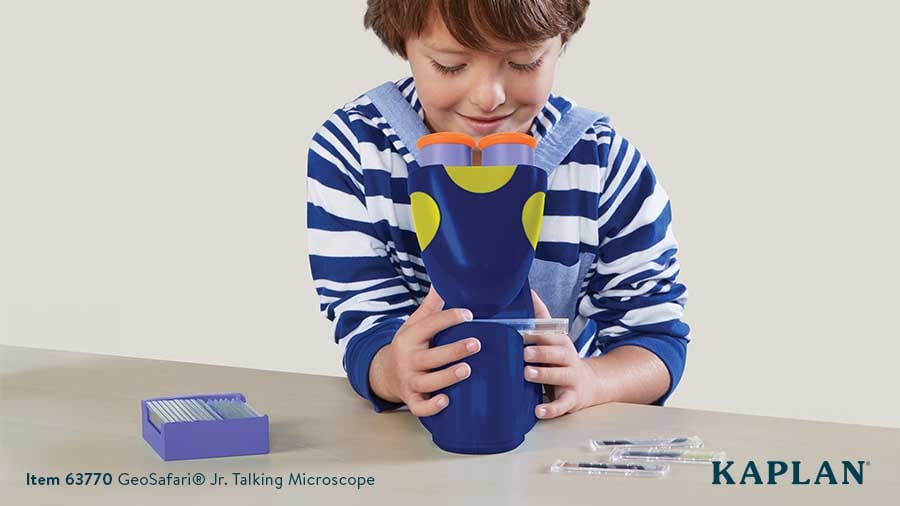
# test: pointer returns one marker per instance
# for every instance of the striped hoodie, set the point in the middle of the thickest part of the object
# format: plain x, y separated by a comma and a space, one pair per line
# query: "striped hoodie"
605, 258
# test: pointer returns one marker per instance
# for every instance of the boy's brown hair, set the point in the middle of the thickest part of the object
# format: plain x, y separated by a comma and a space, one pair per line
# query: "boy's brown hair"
472, 22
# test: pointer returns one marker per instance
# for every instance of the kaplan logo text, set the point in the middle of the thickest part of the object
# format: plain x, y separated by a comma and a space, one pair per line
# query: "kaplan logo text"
846, 473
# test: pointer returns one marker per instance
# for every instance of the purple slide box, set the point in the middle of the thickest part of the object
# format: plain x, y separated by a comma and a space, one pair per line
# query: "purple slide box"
206, 438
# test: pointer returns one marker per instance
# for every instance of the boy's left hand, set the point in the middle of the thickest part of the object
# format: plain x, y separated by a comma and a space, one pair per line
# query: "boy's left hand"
569, 378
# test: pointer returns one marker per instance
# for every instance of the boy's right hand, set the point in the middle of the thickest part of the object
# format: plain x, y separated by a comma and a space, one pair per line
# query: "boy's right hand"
401, 371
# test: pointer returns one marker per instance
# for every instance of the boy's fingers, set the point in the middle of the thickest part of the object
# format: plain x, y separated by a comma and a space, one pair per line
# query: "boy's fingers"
432, 303
433, 381
560, 406
552, 355
550, 375
540, 309
440, 356
550, 339
428, 407
426, 328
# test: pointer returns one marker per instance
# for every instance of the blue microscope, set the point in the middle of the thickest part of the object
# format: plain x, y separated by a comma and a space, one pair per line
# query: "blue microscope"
477, 228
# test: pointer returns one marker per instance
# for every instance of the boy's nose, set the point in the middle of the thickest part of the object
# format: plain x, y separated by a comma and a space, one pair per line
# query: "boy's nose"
487, 95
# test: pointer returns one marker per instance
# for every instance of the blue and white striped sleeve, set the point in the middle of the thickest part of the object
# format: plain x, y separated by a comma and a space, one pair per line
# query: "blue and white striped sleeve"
632, 294
359, 290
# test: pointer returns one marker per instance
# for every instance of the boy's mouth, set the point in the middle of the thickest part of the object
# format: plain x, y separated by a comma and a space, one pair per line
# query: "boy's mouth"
484, 125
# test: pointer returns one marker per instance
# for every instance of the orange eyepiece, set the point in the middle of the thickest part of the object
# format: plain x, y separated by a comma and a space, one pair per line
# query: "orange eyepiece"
445, 138
507, 138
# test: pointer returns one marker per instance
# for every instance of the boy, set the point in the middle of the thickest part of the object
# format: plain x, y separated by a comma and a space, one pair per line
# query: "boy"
478, 68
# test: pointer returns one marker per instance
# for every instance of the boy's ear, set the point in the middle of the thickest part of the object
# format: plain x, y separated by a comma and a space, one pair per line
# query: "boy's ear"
405, 51
564, 45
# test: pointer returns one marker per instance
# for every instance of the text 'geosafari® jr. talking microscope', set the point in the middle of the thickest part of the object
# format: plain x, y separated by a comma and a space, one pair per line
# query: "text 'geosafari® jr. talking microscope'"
478, 227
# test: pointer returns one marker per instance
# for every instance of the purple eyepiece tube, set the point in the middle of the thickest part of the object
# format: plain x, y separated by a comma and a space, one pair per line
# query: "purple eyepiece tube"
445, 148
507, 148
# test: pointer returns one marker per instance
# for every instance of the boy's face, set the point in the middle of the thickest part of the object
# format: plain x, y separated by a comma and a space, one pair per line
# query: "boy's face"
479, 92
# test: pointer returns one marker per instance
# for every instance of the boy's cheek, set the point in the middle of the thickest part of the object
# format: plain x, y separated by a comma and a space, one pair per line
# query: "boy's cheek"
436, 99
532, 92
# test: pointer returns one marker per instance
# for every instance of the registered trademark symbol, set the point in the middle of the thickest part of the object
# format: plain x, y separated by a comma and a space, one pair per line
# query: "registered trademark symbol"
868, 463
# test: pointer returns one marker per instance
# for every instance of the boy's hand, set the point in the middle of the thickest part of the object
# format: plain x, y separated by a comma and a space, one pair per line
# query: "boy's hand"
401, 370
570, 378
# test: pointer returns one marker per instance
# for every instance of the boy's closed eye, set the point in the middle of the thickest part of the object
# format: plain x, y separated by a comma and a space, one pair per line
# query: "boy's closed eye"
520, 67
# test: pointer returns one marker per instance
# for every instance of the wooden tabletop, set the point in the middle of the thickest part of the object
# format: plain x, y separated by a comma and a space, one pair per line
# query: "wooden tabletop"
66, 412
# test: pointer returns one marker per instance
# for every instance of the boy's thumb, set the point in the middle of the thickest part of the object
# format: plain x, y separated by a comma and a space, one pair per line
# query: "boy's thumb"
540, 309
432, 302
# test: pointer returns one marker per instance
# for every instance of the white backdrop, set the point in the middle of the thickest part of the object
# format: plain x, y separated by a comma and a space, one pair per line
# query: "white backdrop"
152, 164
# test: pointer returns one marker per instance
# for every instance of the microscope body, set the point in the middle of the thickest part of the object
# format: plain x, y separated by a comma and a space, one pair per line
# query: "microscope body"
477, 228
